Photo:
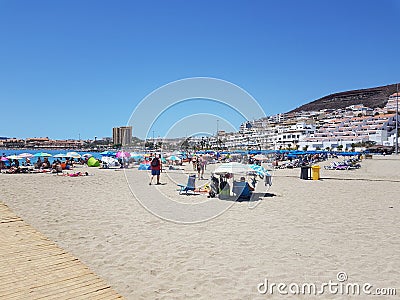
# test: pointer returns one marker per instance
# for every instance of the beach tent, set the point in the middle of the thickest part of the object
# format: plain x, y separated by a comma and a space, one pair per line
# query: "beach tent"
109, 162
144, 167
92, 162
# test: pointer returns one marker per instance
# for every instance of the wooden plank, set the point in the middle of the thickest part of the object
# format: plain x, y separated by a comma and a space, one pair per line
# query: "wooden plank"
33, 267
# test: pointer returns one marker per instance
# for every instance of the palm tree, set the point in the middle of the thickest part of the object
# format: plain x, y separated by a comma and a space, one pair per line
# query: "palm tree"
202, 143
185, 144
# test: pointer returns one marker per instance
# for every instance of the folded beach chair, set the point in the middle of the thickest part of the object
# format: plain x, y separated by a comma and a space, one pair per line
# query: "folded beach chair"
190, 186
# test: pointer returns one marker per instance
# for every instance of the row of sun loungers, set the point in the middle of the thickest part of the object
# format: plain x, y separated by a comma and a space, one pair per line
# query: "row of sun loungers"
349, 164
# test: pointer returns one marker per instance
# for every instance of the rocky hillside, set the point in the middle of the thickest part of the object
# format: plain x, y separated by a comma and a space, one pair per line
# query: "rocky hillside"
373, 97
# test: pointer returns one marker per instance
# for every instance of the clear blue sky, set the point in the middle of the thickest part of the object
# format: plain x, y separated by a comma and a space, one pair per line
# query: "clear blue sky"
71, 67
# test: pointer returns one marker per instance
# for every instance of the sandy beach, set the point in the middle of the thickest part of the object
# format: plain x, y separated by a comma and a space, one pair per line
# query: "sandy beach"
304, 232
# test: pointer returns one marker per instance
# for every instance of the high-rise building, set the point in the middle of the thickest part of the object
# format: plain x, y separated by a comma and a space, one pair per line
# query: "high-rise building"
122, 135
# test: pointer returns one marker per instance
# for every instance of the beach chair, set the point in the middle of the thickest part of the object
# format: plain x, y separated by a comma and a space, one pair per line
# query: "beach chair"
190, 186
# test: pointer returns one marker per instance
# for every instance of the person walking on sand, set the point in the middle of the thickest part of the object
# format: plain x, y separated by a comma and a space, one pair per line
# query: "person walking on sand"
155, 166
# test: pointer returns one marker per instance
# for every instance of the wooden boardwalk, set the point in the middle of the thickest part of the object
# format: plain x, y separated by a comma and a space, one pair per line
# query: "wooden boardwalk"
33, 267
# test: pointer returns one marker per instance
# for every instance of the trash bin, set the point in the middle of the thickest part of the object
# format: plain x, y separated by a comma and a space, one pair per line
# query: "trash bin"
305, 173
315, 172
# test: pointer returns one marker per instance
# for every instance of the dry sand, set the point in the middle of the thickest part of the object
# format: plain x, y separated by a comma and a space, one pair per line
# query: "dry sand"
307, 232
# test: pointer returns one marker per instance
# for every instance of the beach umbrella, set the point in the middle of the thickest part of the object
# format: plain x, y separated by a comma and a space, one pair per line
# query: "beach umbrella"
3, 158
173, 158
122, 154
25, 155
73, 155
259, 170
233, 168
42, 154
60, 155
107, 153
14, 157
87, 155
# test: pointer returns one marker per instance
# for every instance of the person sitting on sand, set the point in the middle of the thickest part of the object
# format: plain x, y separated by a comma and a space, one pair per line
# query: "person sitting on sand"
16, 163
68, 164
39, 163
46, 164
242, 179
56, 168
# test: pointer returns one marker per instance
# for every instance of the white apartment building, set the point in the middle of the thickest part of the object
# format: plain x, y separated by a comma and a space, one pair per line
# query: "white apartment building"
348, 131
289, 136
392, 102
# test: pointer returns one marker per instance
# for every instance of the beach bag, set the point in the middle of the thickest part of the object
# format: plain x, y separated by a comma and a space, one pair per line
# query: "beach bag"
155, 162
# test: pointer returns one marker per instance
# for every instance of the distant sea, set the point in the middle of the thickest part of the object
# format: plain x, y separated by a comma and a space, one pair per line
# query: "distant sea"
52, 152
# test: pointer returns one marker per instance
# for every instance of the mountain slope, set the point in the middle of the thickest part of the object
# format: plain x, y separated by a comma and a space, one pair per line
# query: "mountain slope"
372, 97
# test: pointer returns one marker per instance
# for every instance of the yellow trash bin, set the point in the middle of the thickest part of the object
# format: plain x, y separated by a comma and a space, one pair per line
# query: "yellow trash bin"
315, 172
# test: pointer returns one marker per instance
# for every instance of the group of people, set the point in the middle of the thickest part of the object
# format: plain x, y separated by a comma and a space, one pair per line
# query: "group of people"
199, 165
15, 166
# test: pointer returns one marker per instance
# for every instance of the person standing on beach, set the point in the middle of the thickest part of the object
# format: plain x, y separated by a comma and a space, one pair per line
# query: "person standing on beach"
155, 166
194, 162
200, 167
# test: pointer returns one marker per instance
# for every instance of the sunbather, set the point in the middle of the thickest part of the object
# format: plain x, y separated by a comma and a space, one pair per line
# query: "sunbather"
13, 170
77, 174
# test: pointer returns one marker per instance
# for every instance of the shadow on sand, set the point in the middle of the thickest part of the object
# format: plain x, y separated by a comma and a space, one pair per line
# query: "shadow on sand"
254, 197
